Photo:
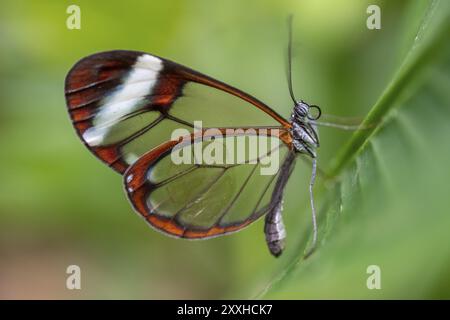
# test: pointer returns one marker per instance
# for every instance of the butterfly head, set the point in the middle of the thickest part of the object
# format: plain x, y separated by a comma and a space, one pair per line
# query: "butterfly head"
303, 112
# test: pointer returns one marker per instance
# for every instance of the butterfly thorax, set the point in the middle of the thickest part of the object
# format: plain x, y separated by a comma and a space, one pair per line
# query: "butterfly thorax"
304, 132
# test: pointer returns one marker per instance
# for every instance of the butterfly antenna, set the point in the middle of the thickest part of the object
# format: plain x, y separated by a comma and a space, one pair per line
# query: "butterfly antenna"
291, 91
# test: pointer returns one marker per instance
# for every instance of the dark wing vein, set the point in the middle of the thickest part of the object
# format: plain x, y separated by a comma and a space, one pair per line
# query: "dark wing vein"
123, 118
178, 120
175, 176
93, 84
199, 195
134, 136
141, 131
219, 220
263, 194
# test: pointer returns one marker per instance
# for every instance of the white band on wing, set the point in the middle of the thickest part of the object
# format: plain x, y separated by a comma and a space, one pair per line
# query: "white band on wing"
127, 97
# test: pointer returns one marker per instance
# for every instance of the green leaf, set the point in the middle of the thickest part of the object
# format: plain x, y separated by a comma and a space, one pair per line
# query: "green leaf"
389, 205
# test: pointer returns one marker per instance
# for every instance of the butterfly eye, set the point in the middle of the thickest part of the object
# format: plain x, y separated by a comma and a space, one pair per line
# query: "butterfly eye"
314, 112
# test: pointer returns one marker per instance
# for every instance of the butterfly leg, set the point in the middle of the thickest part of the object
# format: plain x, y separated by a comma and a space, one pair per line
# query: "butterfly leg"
320, 172
313, 209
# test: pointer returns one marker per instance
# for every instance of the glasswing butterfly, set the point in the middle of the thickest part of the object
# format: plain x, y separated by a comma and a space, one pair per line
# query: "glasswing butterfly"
124, 106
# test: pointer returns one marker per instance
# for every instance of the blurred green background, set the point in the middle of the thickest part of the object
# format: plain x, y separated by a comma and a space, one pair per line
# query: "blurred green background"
61, 206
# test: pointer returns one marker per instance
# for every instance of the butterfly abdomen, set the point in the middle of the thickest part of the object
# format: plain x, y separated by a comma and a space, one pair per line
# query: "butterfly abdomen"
275, 230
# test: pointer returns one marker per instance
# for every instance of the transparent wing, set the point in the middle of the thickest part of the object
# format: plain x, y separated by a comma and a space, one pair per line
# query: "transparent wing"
206, 186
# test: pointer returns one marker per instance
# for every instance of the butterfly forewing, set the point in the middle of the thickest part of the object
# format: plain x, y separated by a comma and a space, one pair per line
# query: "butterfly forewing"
206, 198
125, 103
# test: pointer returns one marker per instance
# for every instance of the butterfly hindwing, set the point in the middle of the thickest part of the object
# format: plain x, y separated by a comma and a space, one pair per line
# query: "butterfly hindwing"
202, 199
